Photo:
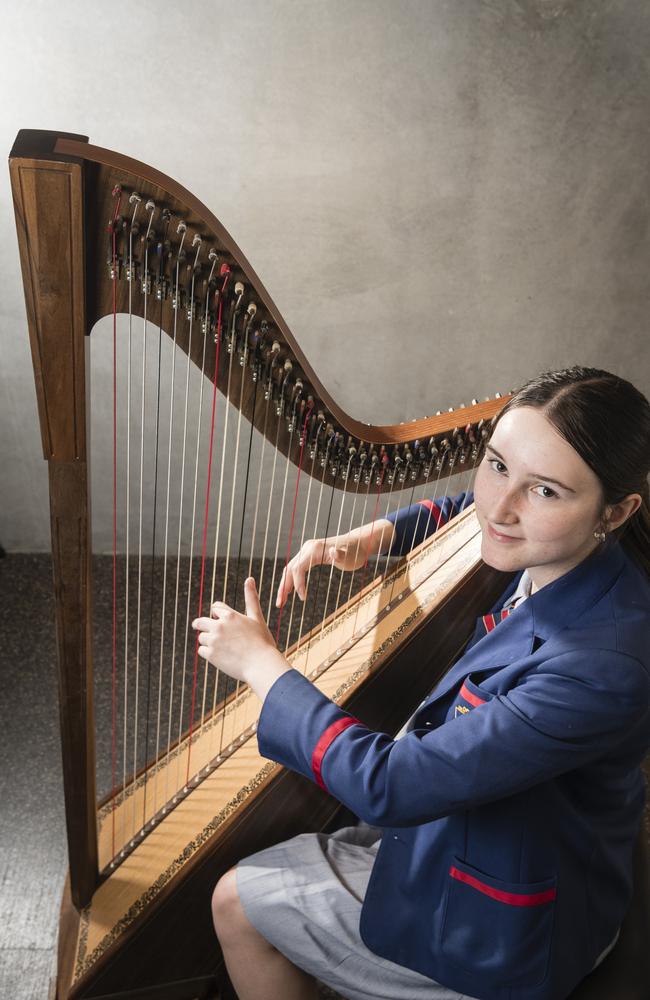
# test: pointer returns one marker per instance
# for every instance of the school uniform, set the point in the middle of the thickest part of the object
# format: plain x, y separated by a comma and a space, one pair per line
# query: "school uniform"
509, 808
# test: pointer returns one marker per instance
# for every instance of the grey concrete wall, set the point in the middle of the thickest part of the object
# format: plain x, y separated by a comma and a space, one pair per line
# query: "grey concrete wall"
443, 197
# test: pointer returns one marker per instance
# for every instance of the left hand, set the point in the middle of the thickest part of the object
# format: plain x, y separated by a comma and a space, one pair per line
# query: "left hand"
238, 644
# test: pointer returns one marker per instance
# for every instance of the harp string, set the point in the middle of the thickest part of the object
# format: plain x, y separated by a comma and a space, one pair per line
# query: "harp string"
364, 569
153, 548
302, 542
232, 343
140, 515
258, 494
293, 512
197, 451
222, 469
216, 534
206, 328
279, 524
127, 519
117, 195
268, 517
175, 306
350, 528
182, 230
396, 575
311, 555
338, 532
165, 564
319, 573
363, 521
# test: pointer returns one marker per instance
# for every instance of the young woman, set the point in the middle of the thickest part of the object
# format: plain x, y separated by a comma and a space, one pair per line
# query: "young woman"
494, 855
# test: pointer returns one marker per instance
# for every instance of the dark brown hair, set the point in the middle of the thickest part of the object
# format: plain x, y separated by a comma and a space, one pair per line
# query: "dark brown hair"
607, 421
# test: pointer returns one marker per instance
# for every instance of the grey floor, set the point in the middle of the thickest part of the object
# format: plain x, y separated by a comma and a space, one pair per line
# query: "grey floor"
32, 830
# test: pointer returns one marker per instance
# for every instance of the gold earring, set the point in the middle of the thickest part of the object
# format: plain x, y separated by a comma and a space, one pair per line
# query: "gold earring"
600, 535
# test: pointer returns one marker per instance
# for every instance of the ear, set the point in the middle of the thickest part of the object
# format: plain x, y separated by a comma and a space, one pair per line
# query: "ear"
617, 514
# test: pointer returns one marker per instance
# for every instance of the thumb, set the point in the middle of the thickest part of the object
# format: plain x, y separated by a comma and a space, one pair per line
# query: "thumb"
338, 552
251, 598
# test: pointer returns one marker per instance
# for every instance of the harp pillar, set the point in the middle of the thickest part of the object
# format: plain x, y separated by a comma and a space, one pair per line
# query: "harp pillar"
48, 202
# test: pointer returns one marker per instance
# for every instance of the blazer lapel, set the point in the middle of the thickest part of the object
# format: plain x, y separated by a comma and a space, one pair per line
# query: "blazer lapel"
540, 615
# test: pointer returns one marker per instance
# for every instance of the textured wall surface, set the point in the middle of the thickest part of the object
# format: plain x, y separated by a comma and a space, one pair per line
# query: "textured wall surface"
443, 197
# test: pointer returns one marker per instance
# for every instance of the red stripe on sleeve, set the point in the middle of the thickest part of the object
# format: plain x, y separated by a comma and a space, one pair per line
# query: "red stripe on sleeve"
511, 898
326, 741
473, 699
436, 512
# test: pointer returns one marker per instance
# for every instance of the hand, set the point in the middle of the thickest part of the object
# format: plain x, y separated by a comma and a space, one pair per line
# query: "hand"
241, 644
344, 553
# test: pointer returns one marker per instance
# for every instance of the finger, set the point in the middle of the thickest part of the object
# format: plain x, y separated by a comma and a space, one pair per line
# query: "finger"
205, 638
204, 624
299, 581
204, 652
338, 553
220, 610
286, 586
252, 601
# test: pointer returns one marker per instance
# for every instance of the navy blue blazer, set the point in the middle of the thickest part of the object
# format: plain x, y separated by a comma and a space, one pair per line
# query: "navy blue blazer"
510, 809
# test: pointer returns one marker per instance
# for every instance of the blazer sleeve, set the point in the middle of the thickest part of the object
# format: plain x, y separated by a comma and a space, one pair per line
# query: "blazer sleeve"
556, 719
415, 523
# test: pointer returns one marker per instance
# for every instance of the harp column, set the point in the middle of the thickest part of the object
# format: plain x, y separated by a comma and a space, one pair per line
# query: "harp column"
48, 193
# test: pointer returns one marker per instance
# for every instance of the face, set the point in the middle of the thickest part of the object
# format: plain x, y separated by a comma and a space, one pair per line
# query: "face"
538, 503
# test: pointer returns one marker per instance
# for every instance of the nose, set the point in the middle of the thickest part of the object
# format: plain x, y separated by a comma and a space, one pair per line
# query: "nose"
504, 510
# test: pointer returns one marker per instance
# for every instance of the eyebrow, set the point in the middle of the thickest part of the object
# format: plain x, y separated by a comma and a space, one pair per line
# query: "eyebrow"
533, 475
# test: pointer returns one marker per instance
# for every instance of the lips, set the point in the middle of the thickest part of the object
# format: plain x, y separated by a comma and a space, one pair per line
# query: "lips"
498, 536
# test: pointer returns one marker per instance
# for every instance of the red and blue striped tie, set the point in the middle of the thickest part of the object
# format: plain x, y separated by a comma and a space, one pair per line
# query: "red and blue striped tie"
490, 622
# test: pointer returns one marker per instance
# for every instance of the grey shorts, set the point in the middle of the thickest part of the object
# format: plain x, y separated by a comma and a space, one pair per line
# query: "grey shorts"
305, 896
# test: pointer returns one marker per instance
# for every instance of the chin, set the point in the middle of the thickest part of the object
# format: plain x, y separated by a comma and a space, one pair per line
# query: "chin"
507, 562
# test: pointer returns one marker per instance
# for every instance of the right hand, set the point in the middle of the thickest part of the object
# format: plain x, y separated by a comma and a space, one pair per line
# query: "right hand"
342, 553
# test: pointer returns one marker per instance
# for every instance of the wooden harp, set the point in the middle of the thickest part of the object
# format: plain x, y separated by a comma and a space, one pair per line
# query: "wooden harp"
101, 235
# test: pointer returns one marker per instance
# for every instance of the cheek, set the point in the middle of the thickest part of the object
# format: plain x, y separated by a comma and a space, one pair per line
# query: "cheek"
484, 490
557, 528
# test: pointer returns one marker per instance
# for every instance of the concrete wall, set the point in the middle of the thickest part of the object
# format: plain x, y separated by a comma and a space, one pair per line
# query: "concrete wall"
443, 197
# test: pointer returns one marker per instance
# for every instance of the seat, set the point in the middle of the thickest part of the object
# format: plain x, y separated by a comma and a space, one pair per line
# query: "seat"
625, 973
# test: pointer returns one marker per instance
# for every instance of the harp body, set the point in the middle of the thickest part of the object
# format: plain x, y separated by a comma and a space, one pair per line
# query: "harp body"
136, 916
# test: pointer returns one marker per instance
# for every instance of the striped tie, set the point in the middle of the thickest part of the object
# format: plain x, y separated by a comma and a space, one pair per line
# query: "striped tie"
490, 622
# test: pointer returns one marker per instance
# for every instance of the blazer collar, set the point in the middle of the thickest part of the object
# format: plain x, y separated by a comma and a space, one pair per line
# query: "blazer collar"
540, 615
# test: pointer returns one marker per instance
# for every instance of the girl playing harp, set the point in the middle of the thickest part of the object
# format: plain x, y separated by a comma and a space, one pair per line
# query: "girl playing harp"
494, 856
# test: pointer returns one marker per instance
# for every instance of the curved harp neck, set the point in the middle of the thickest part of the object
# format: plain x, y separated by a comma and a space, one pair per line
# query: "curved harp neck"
170, 252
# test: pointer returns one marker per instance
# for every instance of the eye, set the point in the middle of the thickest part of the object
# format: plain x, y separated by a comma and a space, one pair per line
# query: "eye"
546, 492
497, 465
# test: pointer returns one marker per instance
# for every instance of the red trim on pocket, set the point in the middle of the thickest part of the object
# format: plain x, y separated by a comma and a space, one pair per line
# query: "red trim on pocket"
511, 898
326, 741
473, 699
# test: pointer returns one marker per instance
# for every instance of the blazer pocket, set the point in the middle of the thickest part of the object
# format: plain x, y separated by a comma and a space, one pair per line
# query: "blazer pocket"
499, 930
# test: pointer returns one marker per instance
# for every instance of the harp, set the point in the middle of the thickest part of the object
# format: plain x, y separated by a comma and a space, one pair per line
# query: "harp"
104, 238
